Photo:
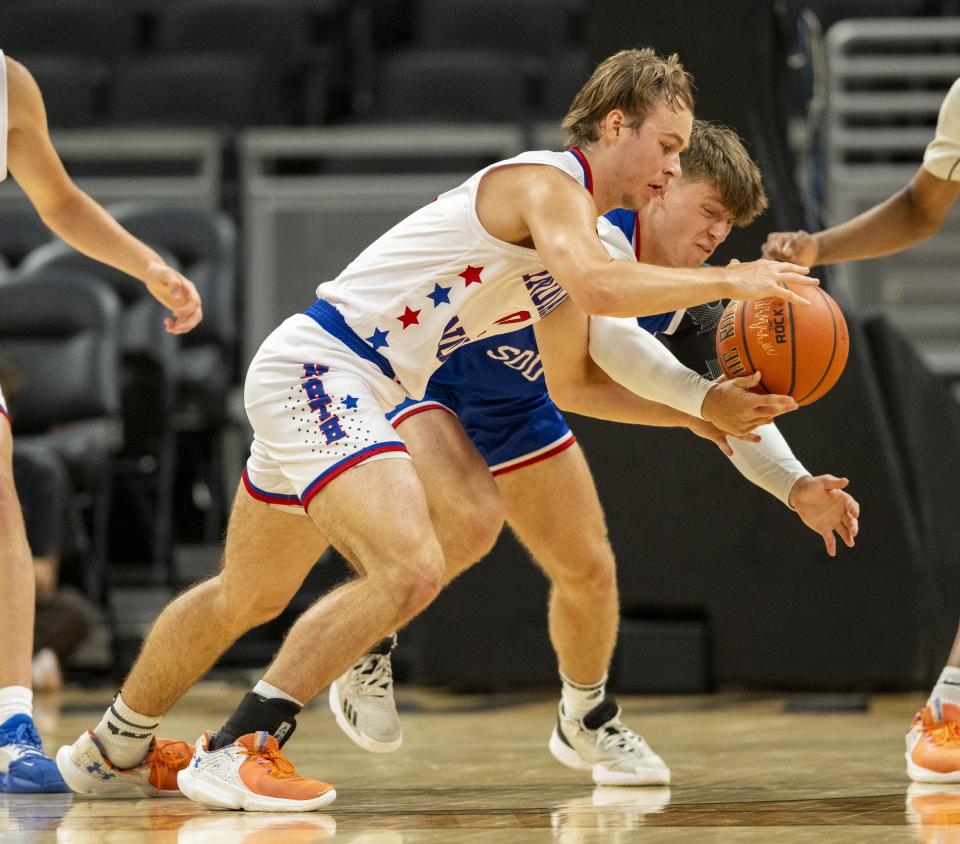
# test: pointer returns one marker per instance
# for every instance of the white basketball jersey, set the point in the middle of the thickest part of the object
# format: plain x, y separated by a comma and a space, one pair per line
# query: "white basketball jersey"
438, 280
942, 157
3, 117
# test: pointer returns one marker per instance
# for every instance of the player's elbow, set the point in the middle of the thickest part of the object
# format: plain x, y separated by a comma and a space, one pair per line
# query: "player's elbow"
596, 298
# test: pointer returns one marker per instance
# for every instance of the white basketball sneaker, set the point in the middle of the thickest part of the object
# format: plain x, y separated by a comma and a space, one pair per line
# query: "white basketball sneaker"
362, 701
602, 744
87, 770
250, 774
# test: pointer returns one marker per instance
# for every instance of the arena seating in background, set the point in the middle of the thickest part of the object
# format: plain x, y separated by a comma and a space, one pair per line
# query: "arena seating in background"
60, 331
460, 85
21, 231
96, 29
73, 87
144, 469
886, 81
205, 246
193, 90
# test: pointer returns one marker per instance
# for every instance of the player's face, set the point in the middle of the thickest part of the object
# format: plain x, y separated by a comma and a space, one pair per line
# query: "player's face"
691, 222
650, 155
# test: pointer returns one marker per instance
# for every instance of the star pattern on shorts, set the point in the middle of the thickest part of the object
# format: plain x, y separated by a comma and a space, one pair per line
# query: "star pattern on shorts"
440, 295
471, 275
378, 339
350, 402
409, 317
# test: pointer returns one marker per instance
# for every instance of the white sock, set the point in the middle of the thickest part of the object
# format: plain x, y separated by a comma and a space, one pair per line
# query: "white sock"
125, 734
579, 699
947, 689
264, 689
15, 700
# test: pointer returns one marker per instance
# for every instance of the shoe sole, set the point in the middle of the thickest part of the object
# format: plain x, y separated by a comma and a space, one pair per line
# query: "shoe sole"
14, 785
78, 782
918, 774
358, 738
566, 755
218, 794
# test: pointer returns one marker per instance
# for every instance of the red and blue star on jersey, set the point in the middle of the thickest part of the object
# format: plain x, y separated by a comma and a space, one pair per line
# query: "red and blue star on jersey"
440, 295
544, 292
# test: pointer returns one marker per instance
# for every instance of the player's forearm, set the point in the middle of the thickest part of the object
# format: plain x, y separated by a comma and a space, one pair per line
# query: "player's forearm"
627, 289
887, 228
89, 229
769, 464
635, 359
598, 396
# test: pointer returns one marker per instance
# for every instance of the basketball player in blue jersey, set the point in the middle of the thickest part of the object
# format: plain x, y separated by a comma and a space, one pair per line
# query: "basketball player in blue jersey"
488, 428
516, 244
911, 215
27, 153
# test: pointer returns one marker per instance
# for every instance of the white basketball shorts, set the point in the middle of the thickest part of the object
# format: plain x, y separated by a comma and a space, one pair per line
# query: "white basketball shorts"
317, 408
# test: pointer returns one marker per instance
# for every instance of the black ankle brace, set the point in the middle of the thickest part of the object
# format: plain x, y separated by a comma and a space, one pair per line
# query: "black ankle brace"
275, 715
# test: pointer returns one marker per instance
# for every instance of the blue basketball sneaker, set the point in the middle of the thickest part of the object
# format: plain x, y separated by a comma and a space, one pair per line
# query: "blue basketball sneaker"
24, 767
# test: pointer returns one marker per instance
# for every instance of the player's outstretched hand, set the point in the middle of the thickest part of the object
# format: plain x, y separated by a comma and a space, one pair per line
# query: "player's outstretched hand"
762, 279
733, 408
177, 293
798, 247
824, 507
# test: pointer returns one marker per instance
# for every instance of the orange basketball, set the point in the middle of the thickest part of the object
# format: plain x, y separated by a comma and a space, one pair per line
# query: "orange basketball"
800, 351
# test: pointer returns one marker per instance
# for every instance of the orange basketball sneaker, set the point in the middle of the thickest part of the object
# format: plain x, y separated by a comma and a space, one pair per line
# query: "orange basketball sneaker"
250, 774
933, 744
85, 768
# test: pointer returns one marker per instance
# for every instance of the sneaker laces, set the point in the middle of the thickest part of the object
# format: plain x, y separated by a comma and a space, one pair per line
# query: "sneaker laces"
373, 675
615, 735
166, 757
944, 733
278, 764
26, 738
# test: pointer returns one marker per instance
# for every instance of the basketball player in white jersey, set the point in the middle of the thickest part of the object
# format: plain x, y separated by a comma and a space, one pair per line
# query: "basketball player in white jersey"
914, 213
487, 428
27, 153
515, 244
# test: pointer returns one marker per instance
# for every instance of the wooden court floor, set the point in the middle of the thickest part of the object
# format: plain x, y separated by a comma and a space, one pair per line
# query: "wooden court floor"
477, 769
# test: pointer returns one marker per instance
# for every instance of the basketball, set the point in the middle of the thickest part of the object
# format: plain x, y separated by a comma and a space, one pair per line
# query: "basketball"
800, 351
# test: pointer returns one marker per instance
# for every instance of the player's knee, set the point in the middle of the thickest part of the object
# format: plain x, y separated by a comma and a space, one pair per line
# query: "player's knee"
593, 574
245, 607
478, 533
417, 582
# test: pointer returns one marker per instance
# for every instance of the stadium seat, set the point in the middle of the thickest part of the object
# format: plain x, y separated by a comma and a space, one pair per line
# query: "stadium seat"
59, 331
521, 27
95, 28
145, 467
21, 231
218, 91
451, 85
205, 245
73, 89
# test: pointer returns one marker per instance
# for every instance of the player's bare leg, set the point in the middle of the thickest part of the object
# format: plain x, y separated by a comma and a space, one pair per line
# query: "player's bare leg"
267, 555
933, 741
467, 514
24, 767
377, 515
16, 570
465, 504
554, 510
185, 641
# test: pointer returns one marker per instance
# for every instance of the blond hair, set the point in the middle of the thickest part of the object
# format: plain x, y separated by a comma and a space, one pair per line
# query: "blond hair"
635, 81
716, 154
